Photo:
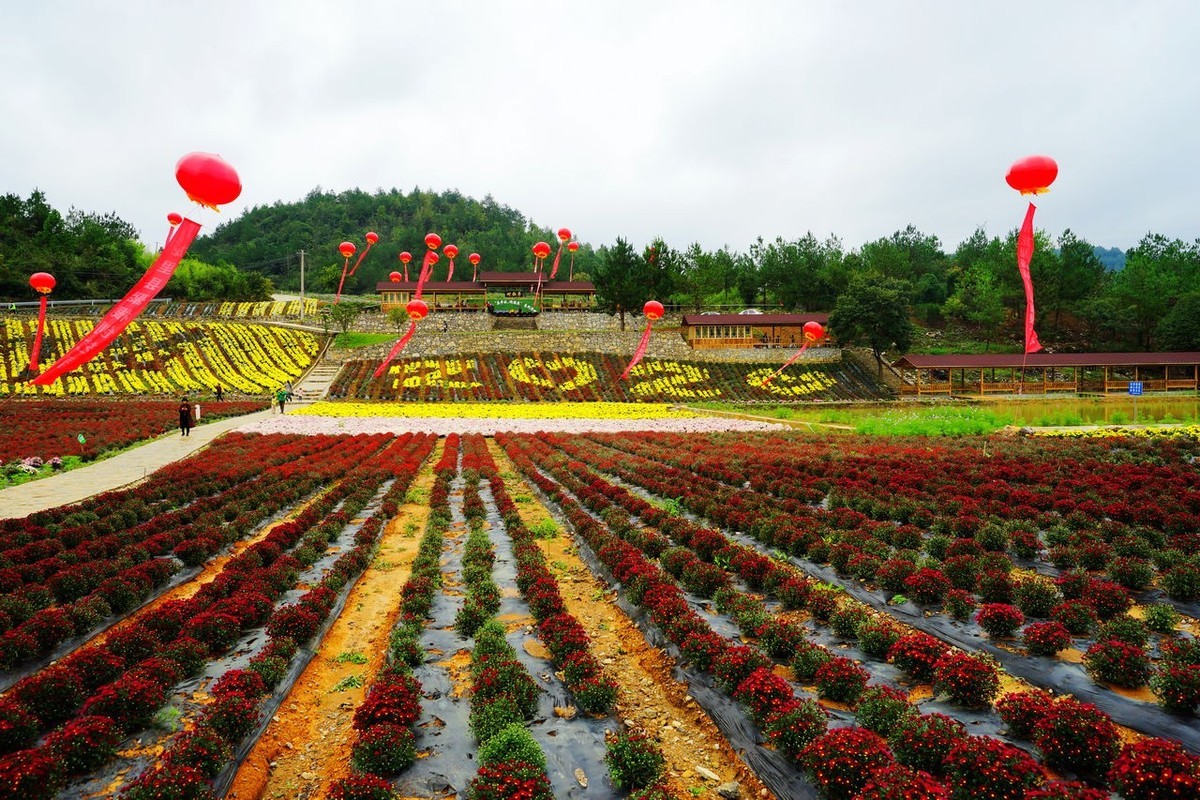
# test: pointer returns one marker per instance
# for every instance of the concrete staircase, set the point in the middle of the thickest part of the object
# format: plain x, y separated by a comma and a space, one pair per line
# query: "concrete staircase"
316, 383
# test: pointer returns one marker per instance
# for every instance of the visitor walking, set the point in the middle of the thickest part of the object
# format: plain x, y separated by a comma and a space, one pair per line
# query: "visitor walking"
185, 417
220, 393
281, 397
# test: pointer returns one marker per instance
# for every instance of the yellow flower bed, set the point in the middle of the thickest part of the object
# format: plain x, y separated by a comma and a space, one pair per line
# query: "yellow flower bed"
1150, 432
498, 410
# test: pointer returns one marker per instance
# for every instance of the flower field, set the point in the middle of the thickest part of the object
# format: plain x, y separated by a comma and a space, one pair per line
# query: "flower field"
159, 357
553, 377
49, 429
798, 617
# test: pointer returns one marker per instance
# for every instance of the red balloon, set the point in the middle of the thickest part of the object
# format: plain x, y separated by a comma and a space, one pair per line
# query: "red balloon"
474, 258
346, 249
813, 331
451, 250
433, 241
564, 234
208, 179
405, 257
541, 249
394, 277
174, 219
43, 282
372, 237
1032, 174
572, 246
653, 310
417, 310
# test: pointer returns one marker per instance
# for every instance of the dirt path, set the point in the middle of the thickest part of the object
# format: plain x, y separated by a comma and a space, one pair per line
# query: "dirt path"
307, 745
649, 697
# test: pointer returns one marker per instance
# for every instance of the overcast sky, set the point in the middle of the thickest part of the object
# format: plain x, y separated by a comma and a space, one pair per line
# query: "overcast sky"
714, 122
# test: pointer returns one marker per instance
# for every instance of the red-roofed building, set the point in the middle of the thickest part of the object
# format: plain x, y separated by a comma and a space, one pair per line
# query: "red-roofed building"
716, 331
493, 290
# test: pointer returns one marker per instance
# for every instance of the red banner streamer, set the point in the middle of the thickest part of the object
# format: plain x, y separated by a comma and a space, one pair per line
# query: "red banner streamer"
337, 297
37, 339
641, 351
128, 309
1024, 256
786, 364
361, 256
450, 275
557, 256
396, 348
426, 271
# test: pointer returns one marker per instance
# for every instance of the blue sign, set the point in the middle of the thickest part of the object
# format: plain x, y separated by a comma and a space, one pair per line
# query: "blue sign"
1135, 388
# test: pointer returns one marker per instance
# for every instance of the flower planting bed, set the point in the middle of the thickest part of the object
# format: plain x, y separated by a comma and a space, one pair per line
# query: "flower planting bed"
1175, 670
955, 683
160, 357
48, 430
720, 596
550, 377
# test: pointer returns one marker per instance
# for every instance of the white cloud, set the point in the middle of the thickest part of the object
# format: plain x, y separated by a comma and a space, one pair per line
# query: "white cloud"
698, 121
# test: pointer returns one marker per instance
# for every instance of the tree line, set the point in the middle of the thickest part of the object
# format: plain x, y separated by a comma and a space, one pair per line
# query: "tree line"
98, 256
1152, 302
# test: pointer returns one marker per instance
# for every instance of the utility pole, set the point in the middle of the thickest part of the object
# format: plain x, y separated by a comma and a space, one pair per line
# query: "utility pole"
301, 285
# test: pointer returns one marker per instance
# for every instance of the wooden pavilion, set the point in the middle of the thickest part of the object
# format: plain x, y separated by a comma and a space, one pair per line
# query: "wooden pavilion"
713, 331
1042, 373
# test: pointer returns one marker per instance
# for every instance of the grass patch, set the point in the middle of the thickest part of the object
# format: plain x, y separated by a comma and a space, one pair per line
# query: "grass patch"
350, 657
349, 682
934, 421
354, 339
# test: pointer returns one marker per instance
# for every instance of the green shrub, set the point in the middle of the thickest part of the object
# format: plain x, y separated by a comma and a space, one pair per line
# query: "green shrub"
633, 760
513, 742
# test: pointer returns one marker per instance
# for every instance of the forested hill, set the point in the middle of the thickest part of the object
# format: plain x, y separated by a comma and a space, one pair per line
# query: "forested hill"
267, 239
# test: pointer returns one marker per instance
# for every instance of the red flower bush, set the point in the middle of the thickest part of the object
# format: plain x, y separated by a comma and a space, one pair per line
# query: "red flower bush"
1021, 711
917, 654
1106, 598
764, 693
960, 604
1076, 616
794, 727
384, 749
506, 780
922, 741
736, 664
841, 761
966, 680
29, 775
1046, 638
1118, 663
841, 679
880, 708
1077, 737
898, 782
1177, 687
1000, 620
927, 586
1066, 790
980, 766
395, 700
84, 744
367, 787
1155, 769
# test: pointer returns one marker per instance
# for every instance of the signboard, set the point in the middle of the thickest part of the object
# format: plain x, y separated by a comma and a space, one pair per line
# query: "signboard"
1135, 388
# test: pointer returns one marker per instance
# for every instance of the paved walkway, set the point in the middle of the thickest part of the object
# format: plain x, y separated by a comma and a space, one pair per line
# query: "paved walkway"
113, 473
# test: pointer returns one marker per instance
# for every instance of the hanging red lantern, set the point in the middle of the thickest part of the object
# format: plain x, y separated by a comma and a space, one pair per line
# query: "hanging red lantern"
394, 277
1032, 174
405, 257
174, 219
433, 241
474, 259
573, 247
372, 237
432, 258
564, 234
451, 251
42, 282
347, 249
653, 310
417, 310
208, 179
813, 332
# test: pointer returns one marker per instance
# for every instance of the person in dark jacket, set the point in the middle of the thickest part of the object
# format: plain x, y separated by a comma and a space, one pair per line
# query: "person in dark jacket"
185, 417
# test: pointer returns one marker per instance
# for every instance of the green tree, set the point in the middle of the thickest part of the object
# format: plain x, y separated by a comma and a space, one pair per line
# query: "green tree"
398, 317
873, 311
344, 314
620, 280
1155, 273
1180, 328
976, 300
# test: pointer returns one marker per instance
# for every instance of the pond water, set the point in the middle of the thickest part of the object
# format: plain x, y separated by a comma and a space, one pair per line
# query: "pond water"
1098, 411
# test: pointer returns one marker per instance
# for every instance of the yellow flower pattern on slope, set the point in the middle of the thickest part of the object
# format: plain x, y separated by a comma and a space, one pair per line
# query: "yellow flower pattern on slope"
581, 373
685, 381
498, 410
419, 373
790, 383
